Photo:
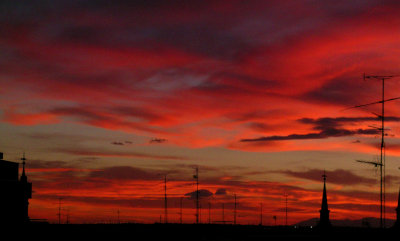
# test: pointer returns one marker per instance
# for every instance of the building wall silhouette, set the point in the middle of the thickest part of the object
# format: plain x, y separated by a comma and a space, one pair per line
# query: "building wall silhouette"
15, 193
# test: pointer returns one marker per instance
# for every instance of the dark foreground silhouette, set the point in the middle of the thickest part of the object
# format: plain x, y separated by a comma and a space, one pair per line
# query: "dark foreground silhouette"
191, 232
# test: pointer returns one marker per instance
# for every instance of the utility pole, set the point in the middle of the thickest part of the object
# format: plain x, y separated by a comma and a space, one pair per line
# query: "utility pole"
286, 211
118, 217
67, 216
199, 213
165, 200
196, 176
209, 213
59, 210
223, 213
181, 213
234, 216
382, 163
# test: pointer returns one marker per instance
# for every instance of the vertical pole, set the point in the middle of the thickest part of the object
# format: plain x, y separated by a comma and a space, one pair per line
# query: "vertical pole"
165, 200
261, 214
286, 202
59, 210
223, 213
234, 213
200, 213
181, 213
209, 213
197, 195
382, 145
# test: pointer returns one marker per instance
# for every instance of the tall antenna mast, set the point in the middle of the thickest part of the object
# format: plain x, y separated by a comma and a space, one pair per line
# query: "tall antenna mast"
181, 213
223, 213
234, 217
196, 176
59, 210
381, 164
67, 216
119, 222
165, 200
209, 213
286, 210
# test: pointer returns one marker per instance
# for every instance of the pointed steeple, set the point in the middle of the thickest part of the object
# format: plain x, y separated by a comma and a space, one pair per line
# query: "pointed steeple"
23, 176
324, 212
324, 205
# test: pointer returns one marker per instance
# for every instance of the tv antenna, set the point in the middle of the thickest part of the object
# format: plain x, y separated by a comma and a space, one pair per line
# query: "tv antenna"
261, 214
165, 200
234, 212
196, 176
59, 210
286, 208
381, 163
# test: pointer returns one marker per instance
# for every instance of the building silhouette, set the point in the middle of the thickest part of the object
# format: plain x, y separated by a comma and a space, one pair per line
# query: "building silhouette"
397, 223
15, 192
324, 212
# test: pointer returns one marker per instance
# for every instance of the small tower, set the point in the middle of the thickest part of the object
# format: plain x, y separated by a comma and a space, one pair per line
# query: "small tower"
23, 179
324, 212
15, 192
397, 223
26, 192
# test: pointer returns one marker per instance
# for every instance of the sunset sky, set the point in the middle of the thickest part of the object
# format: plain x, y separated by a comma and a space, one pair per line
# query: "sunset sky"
107, 97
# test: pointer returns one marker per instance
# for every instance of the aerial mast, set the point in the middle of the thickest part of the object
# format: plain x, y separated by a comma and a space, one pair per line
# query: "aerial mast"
165, 200
196, 176
234, 217
382, 161
261, 214
286, 209
181, 211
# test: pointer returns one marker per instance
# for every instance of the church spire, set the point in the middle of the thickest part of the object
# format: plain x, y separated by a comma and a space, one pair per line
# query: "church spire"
324, 212
324, 205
